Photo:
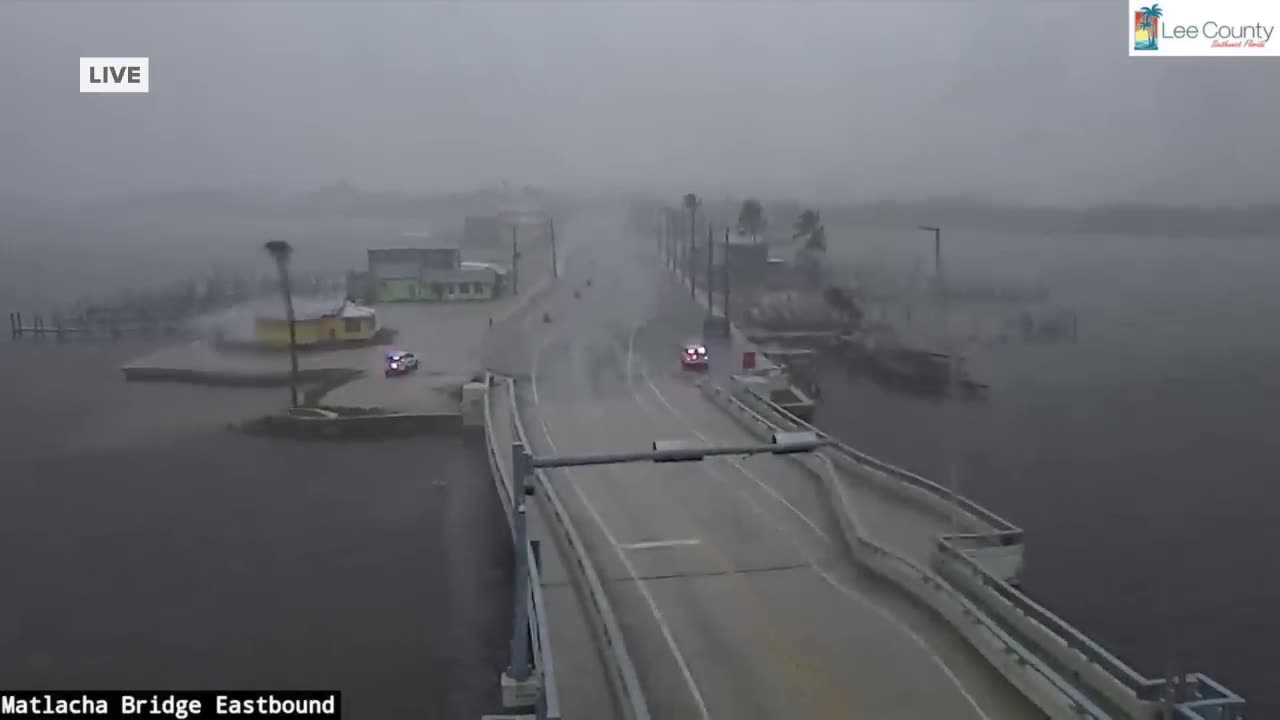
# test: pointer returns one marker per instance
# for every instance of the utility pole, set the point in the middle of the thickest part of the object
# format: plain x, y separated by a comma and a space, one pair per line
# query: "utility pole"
666, 237
682, 250
515, 262
724, 264
671, 243
711, 251
693, 224
692, 268
555, 267
937, 254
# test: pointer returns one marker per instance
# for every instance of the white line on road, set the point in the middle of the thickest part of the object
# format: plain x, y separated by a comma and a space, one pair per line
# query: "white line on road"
655, 544
849, 592
636, 579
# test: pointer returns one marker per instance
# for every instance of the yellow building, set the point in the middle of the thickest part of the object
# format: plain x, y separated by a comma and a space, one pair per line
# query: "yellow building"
317, 324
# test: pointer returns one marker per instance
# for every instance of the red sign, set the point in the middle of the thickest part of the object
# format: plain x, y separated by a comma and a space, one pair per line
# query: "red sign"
748, 360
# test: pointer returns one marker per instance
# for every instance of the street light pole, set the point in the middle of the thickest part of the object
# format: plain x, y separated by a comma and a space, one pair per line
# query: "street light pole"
524, 463
666, 238
692, 268
515, 262
937, 253
670, 451
724, 263
950, 424
555, 267
693, 222
671, 244
711, 251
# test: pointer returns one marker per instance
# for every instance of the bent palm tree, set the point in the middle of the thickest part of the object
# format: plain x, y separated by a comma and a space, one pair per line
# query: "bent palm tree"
817, 241
281, 251
809, 257
806, 224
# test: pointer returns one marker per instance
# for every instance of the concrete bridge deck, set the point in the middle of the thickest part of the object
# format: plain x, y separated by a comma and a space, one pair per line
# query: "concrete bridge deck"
728, 576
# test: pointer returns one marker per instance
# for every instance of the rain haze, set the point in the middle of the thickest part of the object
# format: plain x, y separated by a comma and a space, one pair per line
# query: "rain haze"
1103, 268
1019, 102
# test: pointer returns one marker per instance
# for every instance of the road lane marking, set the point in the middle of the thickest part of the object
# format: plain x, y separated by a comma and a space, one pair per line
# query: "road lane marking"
849, 592
641, 585
657, 544
752, 476
805, 677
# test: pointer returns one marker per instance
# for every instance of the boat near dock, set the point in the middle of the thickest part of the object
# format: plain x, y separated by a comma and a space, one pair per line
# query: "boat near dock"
893, 364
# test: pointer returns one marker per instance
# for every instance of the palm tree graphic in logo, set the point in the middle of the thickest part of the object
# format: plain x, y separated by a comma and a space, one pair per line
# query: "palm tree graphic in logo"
1146, 27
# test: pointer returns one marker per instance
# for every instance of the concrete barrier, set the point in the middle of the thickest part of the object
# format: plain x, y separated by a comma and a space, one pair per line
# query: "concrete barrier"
617, 658
1056, 697
548, 705
1047, 659
990, 539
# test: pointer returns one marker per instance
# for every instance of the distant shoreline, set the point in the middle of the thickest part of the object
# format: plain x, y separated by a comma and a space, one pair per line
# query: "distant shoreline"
353, 206
1136, 220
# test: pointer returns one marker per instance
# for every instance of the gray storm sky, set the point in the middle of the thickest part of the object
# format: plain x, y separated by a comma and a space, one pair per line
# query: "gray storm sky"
1022, 101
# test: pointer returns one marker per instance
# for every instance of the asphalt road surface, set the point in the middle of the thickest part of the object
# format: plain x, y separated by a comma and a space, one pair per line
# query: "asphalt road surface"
143, 545
733, 590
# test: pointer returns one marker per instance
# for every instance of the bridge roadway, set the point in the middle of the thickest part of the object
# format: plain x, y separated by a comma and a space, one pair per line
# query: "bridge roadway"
728, 576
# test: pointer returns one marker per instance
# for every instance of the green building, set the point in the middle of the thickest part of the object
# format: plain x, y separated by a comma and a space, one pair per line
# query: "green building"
434, 274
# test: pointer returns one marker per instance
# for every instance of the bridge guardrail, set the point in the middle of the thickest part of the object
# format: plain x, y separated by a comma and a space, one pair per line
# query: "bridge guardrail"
621, 670
1042, 685
548, 703
1002, 532
1066, 647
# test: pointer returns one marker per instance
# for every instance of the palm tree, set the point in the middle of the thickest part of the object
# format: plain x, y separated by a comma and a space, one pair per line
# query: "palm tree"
751, 217
281, 251
814, 246
817, 242
1149, 17
806, 223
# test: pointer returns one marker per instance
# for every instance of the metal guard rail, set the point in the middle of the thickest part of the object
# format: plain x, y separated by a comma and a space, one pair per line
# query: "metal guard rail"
1082, 706
548, 706
622, 673
1003, 531
1207, 692
1210, 694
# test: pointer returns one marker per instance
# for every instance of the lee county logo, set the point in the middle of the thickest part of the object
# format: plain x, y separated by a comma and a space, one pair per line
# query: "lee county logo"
1146, 28
1223, 28
115, 75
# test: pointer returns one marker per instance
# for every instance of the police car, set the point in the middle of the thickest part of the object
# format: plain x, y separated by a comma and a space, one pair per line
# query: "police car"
400, 362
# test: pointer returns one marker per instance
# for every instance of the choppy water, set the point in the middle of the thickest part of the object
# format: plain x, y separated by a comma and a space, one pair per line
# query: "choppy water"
143, 545
1139, 460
